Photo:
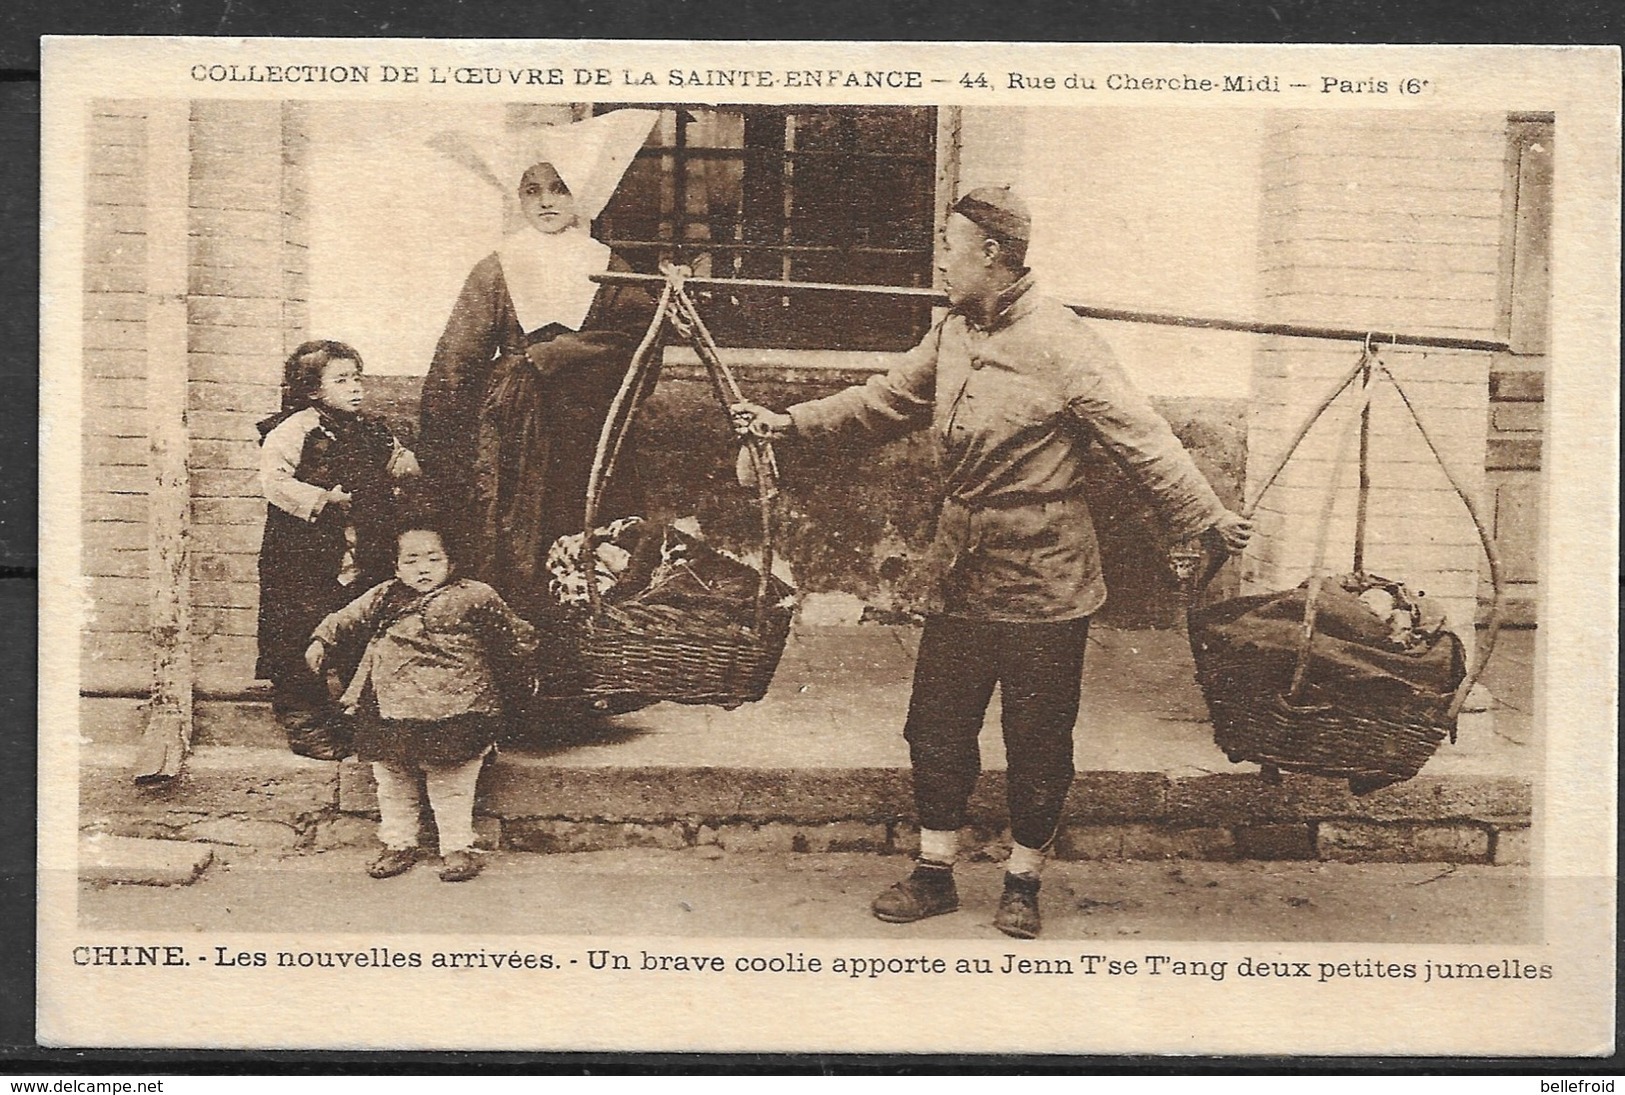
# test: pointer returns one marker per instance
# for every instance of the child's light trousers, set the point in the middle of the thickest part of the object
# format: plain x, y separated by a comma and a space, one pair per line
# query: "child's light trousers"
451, 796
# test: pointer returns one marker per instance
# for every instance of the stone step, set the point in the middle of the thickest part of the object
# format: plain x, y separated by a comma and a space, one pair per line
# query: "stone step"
270, 800
224, 721
138, 861
244, 796
841, 694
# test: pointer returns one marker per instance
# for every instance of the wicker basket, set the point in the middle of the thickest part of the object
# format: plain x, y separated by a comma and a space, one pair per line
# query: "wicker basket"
1370, 734
623, 649
1285, 715
682, 664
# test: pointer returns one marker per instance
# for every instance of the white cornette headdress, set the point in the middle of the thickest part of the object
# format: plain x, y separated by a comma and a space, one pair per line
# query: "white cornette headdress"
590, 156
549, 276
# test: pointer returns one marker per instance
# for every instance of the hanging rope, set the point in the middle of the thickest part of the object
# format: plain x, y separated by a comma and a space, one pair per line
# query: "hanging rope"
1216, 560
1486, 541
612, 435
1317, 573
677, 309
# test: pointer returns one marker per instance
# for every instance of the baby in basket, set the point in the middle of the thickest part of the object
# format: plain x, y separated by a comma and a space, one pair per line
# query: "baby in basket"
653, 570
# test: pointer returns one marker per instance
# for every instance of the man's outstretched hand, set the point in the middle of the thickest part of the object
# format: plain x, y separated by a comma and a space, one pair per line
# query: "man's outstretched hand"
1233, 532
753, 419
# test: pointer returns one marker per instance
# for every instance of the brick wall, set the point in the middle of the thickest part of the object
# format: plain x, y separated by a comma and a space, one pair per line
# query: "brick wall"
246, 308
1388, 223
117, 655
855, 524
249, 269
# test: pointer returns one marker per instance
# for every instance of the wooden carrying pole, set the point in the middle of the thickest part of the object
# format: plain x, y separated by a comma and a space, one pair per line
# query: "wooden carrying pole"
938, 299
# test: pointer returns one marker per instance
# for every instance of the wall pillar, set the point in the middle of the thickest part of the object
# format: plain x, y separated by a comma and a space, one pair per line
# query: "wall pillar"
249, 276
116, 654
993, 147
168, 734
1393, 223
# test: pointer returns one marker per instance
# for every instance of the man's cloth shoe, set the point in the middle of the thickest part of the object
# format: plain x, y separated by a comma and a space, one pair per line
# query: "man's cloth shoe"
459, 866
394, 861
929, 891
1018, 908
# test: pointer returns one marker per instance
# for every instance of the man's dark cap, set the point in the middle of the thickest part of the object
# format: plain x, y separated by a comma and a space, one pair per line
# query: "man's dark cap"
998, 211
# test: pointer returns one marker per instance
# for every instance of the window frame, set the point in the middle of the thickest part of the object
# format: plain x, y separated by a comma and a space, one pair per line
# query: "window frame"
832, 325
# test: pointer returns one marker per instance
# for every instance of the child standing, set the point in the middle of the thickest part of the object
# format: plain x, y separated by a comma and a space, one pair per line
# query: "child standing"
327, 472
425, 695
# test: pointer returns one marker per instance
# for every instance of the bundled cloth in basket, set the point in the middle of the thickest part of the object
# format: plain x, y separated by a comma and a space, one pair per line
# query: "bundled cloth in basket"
624, 556
679, 618
1375, 694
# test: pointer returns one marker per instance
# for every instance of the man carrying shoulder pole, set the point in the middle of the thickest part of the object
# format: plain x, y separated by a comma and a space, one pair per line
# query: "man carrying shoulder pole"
1013, 387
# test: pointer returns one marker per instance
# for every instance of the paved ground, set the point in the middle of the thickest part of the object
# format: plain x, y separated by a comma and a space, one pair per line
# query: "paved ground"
841, 692
699, 893
838, 702
840, 695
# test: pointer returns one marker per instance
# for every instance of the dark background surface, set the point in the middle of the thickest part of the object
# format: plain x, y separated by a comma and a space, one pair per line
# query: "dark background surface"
1563, 22
1560, 22
859, 521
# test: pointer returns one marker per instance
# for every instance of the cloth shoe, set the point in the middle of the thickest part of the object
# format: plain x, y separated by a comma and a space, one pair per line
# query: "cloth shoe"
929, 891
1017, 915
459, 866
317, 736
394, 861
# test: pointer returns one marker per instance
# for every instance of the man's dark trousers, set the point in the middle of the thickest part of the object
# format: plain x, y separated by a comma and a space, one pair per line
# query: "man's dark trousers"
1039, 668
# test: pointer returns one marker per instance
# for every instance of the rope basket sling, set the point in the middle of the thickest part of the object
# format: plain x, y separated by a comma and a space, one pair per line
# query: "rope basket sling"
678, 656
1373, 728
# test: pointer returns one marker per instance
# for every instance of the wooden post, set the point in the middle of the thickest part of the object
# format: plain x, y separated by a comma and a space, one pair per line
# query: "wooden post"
168, 734
950, 127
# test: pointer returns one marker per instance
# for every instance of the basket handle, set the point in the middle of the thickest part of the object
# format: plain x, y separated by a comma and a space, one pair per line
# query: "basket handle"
1317, 573
1369, 362
1217, 559
1481, 656
678, 309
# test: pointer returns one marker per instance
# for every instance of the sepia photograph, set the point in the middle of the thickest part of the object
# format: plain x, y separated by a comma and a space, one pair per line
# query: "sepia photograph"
852, 533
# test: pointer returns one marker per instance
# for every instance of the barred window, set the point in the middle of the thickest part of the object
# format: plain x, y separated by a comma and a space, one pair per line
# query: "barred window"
826, 194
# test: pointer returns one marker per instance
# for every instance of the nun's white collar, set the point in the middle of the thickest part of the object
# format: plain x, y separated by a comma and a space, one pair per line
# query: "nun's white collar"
549, 276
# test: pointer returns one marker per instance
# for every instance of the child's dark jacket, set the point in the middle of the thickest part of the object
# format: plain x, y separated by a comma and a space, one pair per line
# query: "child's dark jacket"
432, 656
306, 549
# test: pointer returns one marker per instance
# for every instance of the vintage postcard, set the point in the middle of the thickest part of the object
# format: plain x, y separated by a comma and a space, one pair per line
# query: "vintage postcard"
821, 546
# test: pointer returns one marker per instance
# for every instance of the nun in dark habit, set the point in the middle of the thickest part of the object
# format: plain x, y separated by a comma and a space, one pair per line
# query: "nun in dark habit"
530, 360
